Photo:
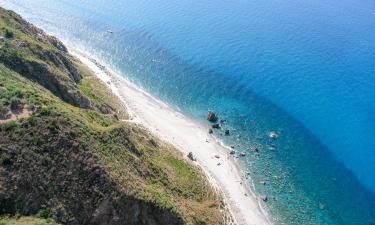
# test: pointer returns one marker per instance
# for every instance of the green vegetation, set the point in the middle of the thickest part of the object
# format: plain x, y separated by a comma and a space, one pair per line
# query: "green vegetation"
26, 221
72, 158
8, 33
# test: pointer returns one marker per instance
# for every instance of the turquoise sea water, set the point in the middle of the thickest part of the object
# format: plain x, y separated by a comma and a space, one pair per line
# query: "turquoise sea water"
305, 69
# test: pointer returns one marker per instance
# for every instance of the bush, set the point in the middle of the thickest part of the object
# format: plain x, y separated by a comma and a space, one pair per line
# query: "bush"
12, 125
4, 112
44, 213
15, 104
9, 33
45, 111
5, 159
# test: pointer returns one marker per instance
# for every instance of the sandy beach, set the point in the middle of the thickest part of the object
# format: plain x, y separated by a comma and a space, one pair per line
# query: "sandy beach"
188, 136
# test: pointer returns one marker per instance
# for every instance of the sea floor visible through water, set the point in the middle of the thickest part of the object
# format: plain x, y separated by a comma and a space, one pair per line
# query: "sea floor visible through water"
259, 73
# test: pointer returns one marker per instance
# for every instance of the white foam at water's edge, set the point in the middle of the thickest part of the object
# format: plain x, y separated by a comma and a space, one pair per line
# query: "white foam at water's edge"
249, 186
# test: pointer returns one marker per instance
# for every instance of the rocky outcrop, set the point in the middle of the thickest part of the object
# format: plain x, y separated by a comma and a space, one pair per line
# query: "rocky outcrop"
212, 117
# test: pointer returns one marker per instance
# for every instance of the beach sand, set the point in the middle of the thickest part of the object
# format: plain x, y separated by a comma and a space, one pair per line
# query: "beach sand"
188, 136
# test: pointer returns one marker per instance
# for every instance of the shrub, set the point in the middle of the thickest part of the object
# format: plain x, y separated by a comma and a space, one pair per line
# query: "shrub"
47, 111
12, 125
15, 104
5, 159
9, 33
44, 213
4, 112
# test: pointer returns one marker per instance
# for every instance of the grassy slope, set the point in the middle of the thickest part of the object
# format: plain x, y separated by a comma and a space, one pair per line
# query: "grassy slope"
27, 220
138, 164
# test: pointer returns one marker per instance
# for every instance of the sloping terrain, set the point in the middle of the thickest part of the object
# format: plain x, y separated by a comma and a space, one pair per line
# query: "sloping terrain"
67, 154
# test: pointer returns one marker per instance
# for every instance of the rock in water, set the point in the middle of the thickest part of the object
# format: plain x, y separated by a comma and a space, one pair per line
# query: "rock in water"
227, 132
216, 126
273, 134
264, 198
210, 131
212, 117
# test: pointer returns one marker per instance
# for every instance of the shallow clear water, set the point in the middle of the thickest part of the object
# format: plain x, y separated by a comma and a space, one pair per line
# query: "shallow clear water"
305, 69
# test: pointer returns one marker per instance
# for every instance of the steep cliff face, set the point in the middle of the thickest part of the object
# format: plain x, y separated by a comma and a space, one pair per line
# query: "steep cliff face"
66, 155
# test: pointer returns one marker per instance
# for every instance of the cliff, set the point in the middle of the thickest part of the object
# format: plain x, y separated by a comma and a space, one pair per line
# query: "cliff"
67, 154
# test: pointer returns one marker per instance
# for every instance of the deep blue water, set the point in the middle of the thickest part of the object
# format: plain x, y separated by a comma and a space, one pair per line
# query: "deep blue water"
305, 69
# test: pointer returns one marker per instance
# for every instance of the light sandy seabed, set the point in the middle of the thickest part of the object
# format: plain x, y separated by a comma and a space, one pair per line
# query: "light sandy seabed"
188, 136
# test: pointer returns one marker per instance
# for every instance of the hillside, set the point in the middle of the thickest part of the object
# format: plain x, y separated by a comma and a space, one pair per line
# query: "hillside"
67, 153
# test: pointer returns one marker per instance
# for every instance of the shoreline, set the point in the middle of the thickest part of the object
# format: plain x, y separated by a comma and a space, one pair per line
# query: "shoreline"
187, 136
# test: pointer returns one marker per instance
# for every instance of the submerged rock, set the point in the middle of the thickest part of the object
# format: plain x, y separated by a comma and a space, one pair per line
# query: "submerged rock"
242, 154
264, 198
227, 132
273, 134
232, 152
216, 126
211, 116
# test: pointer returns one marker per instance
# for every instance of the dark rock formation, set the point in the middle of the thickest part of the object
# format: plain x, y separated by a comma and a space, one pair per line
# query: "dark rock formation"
216, 126
264, 198
191, 156
227, 133
212, 117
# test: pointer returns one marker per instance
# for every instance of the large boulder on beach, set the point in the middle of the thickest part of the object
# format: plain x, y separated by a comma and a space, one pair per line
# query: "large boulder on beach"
191, 156
212, 117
